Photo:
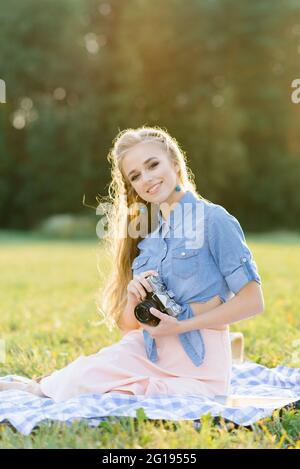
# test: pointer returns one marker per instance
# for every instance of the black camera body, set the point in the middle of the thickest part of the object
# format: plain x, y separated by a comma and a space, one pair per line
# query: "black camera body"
160, 298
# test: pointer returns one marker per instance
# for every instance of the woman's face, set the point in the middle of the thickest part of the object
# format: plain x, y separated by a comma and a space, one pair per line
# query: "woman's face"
150, 171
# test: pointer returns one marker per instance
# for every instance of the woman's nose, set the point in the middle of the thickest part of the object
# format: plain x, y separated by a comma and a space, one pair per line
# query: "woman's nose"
147, 179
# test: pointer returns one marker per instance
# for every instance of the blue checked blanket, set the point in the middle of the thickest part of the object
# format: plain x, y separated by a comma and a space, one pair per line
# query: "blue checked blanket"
25, 411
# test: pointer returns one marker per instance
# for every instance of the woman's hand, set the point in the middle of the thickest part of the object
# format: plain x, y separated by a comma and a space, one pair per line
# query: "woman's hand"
168, 325
138, 287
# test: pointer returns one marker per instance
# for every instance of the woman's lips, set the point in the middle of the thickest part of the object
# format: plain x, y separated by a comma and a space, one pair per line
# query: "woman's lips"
155, 188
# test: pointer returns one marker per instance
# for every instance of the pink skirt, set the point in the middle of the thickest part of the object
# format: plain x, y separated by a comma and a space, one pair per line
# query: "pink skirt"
124, 367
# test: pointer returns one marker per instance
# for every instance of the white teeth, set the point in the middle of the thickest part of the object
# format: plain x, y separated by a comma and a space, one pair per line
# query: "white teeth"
154, 187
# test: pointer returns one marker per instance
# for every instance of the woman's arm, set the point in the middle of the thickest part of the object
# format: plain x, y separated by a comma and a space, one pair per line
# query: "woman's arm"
127, 321
247, 302
136, 291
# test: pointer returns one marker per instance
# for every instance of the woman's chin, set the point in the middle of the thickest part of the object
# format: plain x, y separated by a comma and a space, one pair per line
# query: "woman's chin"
157, 198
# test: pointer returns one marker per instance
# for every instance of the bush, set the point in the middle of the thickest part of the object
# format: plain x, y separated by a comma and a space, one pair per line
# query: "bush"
67, 226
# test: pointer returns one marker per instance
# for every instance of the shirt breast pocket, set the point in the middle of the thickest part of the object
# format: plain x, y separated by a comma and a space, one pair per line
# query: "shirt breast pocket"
185, 262
141, 264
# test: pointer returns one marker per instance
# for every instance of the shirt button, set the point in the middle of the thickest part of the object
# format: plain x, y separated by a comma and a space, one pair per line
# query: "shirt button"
244, 259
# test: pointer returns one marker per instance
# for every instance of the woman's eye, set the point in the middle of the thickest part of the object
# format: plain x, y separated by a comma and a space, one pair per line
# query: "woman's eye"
151, 166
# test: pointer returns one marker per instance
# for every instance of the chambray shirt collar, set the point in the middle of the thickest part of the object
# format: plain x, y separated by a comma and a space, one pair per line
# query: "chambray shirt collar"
181, 209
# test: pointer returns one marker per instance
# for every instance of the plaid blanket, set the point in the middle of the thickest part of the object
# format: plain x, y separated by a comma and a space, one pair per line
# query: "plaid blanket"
249, 381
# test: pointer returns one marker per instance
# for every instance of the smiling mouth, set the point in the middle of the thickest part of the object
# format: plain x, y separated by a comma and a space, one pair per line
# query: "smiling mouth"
154, 188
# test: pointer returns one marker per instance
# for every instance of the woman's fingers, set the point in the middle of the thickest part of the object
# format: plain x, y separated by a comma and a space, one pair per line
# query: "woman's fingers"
137, 290
145, 282
149, 272
142, 279
139, 286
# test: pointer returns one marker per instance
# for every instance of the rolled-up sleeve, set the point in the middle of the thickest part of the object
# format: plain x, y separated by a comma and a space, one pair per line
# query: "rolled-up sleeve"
229, 249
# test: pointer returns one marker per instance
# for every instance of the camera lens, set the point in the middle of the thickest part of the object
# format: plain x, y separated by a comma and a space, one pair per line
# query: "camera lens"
143, 315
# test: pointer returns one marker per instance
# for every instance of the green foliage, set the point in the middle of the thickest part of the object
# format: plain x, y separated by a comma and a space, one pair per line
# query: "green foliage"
216, 74
67, 226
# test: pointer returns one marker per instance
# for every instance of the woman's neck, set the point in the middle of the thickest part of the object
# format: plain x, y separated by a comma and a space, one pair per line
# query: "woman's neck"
166, 206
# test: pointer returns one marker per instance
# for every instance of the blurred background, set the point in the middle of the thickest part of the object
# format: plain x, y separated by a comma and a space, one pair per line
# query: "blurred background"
216, 74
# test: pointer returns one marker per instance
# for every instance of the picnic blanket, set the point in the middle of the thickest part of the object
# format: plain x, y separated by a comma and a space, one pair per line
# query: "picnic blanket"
256, 391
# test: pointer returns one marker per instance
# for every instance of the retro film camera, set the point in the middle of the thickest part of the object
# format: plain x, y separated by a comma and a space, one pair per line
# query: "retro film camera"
160, 298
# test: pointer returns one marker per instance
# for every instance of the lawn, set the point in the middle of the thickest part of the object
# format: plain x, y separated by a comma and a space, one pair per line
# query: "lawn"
49, 318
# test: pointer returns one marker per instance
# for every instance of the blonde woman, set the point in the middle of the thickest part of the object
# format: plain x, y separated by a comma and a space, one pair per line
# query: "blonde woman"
159, 225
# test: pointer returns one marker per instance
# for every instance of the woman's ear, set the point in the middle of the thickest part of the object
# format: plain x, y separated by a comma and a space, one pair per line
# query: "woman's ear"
176, 166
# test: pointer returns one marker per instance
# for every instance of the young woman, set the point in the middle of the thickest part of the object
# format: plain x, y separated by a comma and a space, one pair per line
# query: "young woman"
199, 252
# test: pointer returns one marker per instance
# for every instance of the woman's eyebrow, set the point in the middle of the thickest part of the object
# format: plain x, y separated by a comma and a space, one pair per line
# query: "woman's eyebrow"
147, 161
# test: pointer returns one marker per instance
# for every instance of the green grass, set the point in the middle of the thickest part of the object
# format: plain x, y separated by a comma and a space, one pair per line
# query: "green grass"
49, 318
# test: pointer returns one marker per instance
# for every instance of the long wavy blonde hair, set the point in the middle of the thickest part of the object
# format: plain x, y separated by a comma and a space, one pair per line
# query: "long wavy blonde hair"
112, 297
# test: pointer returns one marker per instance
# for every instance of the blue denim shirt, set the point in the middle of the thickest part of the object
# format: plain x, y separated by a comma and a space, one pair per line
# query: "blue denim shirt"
200, 251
